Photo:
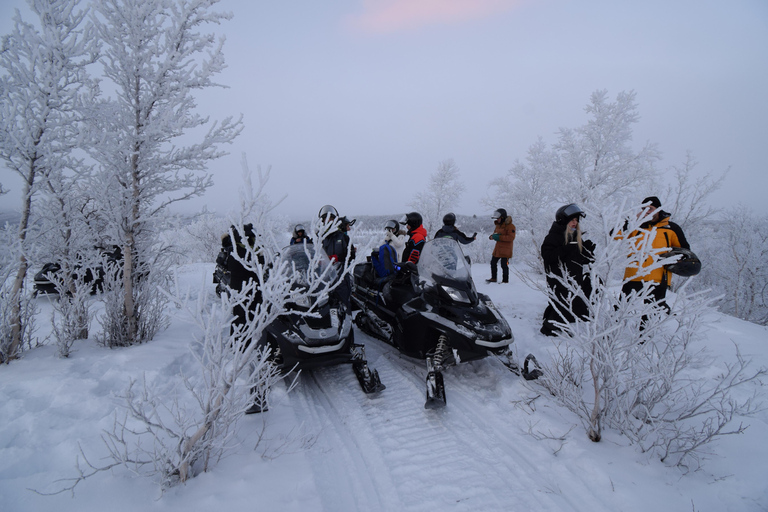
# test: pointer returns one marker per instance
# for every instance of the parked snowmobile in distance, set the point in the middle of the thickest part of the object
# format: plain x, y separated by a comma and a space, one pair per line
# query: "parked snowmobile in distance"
301, 342
432, 311
95, 276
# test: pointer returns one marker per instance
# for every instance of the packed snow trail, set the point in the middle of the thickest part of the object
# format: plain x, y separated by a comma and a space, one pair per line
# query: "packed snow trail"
386, 452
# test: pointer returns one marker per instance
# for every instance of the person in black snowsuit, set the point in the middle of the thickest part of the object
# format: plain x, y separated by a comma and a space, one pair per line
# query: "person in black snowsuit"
338, 247
564, 250
449, 230
245, 247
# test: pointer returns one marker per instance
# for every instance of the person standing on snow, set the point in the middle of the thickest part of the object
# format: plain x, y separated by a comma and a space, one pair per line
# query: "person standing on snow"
565, 254
418, 237
661, 232
504, 236
449, 230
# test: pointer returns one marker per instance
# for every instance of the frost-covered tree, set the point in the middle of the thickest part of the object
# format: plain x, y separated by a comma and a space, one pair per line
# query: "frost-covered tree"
41, 87
69, 236
442, 194
155, 57
592, 165
734, 255
687, 197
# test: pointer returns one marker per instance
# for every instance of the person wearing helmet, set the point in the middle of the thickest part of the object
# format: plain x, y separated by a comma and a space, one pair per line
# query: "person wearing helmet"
385, 260
566, 254
395, 236
417, 237
300, 235
337, 246
662, 232
449, 230
328, 214
504, 236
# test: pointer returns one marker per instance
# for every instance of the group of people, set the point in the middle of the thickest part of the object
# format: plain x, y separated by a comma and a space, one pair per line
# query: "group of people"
567, 256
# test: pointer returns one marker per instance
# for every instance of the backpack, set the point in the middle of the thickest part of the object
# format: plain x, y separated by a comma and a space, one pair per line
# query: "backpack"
384, 263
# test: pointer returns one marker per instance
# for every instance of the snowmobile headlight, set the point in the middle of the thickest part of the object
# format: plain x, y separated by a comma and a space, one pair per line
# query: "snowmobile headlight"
456, 294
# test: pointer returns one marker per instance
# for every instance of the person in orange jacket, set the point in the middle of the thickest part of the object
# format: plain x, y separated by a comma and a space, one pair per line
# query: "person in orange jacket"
417, 237
664, 233
504, 236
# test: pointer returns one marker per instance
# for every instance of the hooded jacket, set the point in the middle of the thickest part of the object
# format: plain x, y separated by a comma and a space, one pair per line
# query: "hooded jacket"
506, 232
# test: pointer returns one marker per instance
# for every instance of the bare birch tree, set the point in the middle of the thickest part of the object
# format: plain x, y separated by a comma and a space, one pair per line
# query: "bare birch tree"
155, 57
442, 194
44, 78
592, 165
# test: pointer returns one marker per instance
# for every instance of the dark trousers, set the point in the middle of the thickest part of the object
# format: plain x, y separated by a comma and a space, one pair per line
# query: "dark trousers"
504, 268
658, 296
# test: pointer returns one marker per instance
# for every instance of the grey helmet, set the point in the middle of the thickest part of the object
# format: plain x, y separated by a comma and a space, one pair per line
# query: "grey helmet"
328, 213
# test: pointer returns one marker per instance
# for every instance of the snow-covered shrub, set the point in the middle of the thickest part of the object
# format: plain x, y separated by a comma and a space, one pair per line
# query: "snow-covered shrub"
631, 367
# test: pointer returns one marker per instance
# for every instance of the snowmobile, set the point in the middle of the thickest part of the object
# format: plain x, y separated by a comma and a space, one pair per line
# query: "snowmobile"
433, 312
327, 338
95, 276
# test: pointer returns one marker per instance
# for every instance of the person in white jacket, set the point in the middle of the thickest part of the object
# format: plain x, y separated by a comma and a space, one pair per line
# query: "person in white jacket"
395, 236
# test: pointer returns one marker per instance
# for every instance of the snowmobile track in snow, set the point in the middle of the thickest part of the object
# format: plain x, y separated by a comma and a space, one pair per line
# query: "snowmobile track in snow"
474, 465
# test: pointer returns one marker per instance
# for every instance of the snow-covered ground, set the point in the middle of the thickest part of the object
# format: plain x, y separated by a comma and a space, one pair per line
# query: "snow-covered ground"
327, 446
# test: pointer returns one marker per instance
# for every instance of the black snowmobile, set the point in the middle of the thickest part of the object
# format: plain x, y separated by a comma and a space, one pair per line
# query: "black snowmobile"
95, 276
327, 338
432, 311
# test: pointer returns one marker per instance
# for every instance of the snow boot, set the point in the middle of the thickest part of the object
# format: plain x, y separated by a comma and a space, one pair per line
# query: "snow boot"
491, 280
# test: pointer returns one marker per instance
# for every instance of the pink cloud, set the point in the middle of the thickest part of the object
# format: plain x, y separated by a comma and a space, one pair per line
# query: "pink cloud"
381, 16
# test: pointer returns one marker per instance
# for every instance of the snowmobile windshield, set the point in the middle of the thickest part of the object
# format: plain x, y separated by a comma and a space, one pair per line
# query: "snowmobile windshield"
445, 272
443, 257
299, 258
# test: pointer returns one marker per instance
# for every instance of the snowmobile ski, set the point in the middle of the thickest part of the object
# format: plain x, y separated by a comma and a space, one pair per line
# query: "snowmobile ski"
506, 357
369, 379
435, 391
536, 372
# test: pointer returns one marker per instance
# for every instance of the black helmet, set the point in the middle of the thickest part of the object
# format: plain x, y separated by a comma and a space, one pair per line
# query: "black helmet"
391, 225
344, 223
565, 213
326, 211
449, 219
499, 214
412, 219
688, 265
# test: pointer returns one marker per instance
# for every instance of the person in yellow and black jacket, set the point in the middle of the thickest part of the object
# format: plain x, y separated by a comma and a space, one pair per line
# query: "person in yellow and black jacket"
665, 233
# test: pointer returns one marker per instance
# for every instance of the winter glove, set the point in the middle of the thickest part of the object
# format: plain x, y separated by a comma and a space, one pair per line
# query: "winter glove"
495, 237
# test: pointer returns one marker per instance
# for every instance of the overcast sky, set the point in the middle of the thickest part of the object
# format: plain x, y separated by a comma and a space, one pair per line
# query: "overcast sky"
356, 102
